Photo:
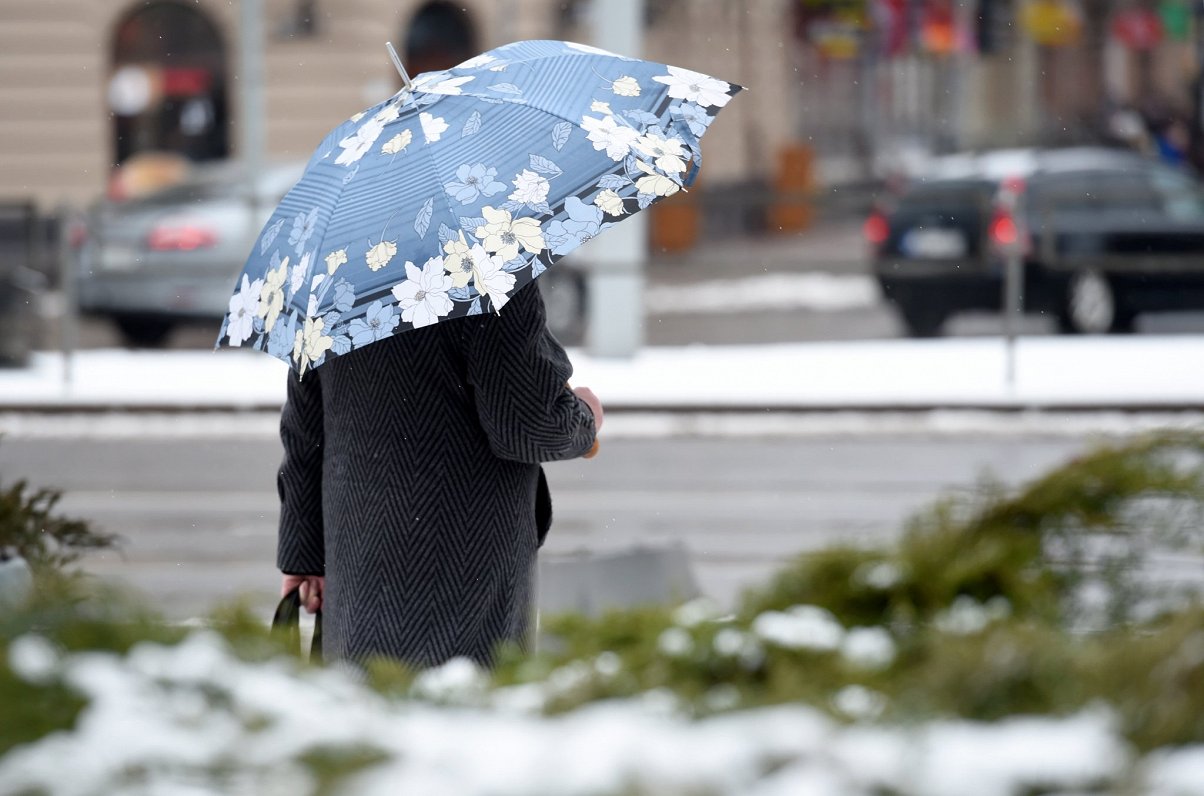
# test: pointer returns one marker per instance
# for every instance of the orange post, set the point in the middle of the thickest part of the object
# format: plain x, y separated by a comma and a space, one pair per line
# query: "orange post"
675, 222
794, 185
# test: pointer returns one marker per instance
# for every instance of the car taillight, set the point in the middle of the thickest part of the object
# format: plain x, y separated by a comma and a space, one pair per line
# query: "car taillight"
876, 229
180, 237
1004, 232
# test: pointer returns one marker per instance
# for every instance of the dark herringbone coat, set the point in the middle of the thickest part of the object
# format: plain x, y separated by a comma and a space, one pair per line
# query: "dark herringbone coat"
410, 479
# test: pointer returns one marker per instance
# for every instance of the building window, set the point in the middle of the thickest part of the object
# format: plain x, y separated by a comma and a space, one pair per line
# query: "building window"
167, 88
440, 35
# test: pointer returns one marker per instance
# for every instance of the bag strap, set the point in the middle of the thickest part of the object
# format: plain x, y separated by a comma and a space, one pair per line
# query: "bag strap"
286, 624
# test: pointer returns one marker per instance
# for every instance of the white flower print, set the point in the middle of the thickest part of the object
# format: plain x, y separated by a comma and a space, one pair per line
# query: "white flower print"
387, 114
244, 306
530, 188
379, 255
356, 145
433, 127
357, 117
626, 86
655, 184
309, 344
458, 261
442, 83
489, 276
695, 87
607, 134
297, 275
610, 203
397, 143
667, 153
271, 295
334, 260
502, 235
597, 106
423, 296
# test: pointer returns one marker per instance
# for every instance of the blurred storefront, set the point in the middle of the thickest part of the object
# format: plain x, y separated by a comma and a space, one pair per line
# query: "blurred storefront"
842, 89
121, 96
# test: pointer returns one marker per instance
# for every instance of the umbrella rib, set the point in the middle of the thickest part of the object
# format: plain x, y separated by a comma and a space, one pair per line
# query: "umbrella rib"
454, 216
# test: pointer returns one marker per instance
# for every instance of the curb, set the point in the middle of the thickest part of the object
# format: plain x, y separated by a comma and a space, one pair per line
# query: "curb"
60, 408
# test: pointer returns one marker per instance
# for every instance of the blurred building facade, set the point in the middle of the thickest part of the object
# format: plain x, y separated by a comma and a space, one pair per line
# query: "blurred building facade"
85, 85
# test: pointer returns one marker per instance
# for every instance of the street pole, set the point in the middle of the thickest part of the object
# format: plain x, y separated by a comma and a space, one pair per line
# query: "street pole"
1012, 240
69, 273
1013, 304
616, 272
251, 96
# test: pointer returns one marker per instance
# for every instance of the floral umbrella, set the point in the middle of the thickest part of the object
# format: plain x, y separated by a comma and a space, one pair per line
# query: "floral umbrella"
448, 197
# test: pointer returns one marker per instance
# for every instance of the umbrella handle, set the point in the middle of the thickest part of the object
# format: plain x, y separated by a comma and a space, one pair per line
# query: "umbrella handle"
401, 70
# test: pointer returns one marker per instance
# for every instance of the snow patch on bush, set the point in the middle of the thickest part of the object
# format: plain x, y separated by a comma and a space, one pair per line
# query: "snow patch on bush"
193, 718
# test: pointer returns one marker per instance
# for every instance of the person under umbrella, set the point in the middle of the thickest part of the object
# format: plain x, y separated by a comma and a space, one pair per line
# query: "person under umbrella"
411, 473
412, 497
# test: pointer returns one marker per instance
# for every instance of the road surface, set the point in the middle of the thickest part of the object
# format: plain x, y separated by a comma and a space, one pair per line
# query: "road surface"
198, 514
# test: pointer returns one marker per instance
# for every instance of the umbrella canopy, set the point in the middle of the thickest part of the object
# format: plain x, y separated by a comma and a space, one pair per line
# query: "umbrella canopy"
448, 197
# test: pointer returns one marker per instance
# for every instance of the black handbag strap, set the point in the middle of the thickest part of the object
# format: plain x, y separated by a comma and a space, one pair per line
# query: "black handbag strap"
286, 623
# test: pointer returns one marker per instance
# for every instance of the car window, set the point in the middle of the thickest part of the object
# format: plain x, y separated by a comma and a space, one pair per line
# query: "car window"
1094, 191
1181, 196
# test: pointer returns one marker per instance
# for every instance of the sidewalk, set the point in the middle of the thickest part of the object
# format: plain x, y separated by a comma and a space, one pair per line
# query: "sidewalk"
835, 247
1143, 372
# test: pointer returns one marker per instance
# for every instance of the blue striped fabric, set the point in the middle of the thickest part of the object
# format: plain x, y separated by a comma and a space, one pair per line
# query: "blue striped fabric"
443, 201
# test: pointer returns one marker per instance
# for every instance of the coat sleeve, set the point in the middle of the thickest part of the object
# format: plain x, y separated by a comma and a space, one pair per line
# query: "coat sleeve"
519, 375
300, 549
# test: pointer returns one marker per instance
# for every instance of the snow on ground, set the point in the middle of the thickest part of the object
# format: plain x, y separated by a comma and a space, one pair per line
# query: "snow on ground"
263, 424
818, 291
1051, 372
193, 719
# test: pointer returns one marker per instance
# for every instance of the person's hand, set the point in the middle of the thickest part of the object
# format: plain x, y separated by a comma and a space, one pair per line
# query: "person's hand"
591, 400
312, 587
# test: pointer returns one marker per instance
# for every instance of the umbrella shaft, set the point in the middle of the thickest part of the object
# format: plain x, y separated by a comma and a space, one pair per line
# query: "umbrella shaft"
401, 70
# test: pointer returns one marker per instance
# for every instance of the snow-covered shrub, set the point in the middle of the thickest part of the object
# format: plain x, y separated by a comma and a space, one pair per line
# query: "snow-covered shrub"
963, 659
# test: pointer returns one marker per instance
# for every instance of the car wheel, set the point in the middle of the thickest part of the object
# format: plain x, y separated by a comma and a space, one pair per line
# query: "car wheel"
1091, 306
143, 332
924, 321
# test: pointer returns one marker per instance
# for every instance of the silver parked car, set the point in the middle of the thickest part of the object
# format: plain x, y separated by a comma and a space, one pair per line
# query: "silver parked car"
154, 263
171, 257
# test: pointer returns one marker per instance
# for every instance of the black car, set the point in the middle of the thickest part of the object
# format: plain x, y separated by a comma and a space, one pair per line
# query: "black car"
1103, 235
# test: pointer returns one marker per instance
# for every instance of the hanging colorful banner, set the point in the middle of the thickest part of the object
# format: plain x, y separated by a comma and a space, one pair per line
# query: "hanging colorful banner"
1175, 16
938, 34
834, 27
1052, 23
1137, 28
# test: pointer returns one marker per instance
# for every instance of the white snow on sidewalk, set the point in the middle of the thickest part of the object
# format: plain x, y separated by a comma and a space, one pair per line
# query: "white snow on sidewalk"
1103, 372
807, 291
265, 424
